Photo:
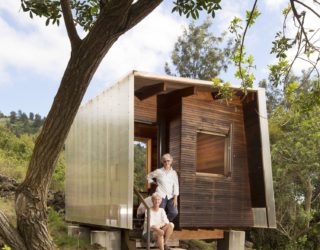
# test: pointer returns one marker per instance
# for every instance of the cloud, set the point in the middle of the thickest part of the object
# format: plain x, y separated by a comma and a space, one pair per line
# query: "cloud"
146, 47
275, 4
27, 44
230, 9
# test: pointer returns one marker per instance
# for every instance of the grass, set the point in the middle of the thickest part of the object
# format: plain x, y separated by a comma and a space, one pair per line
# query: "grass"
3, 121
59, 232
7, 206
199, 245
56, 225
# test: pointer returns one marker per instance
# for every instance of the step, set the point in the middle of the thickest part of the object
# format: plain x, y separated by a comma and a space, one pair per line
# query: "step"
171, 243
172, 248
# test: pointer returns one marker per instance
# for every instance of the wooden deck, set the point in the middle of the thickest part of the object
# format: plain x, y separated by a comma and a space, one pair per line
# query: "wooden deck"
134, 242
199, 234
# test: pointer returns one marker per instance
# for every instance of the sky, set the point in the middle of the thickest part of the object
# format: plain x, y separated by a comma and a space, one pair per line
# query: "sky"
33, 56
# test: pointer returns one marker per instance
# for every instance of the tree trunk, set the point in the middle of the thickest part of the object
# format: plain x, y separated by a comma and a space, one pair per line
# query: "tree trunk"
308, 199
85, 58
31, 196
9, 234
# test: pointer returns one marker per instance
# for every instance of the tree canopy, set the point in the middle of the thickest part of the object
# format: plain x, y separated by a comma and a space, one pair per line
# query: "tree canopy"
198, 54
295, 140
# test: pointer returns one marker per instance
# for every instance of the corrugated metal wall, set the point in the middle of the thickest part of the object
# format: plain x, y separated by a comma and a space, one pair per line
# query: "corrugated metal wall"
99, 152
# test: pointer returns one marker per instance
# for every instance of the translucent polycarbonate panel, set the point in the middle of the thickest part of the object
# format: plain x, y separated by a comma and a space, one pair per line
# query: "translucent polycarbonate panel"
99, 154
266, 158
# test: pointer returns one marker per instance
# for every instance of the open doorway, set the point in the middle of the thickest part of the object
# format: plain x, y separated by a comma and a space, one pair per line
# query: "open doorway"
142, 163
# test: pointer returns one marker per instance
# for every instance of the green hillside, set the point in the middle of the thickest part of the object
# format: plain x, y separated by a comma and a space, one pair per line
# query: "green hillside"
18, 133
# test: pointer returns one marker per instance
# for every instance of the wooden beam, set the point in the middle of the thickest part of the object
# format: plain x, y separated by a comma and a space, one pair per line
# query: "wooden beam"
182, 93
198, 234
148, 91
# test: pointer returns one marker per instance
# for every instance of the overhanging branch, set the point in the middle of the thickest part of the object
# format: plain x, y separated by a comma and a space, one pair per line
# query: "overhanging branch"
297, 15
243, 37
9, 234
68, 20
308, 7
140, 10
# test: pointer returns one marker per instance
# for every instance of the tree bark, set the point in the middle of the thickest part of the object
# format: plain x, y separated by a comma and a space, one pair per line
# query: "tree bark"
86, 56
9, 234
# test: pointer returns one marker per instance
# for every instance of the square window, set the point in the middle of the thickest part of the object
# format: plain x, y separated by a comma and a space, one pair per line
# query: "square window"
213, 153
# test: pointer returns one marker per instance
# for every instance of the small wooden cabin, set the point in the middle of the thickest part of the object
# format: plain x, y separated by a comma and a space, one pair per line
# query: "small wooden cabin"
220, 150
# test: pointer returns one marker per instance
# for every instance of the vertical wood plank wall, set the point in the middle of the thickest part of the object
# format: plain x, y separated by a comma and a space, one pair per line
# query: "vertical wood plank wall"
145, 110
205, 201
213, 201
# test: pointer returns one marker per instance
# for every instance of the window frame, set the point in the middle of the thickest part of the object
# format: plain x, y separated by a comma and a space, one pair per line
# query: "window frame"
228, 154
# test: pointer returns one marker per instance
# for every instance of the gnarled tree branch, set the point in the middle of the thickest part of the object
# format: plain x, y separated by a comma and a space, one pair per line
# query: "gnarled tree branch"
140, 10
68, 20
9, 234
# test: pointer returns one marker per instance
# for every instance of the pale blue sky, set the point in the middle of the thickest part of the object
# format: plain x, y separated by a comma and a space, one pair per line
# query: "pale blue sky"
33, 56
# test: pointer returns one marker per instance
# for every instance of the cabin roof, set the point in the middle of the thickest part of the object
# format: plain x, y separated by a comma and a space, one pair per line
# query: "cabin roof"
143, 79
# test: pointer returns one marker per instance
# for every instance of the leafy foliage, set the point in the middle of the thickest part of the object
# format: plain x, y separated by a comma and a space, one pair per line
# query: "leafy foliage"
301, 38
59, 232
274, 95
140, 172
192, 7
197, 53
14, 153
17, 137
6, 247
48, 8
87, 12
244, 63
224, 89
19, 123
295, 139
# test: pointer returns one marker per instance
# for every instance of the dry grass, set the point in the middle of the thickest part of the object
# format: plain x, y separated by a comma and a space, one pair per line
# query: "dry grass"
7, 206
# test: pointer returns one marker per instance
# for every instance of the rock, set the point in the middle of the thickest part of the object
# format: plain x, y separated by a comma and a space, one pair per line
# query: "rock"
56, 200
8, 186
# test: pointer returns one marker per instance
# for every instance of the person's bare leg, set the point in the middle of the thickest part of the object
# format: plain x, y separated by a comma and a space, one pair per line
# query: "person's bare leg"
158, 231
160, 241
168, 230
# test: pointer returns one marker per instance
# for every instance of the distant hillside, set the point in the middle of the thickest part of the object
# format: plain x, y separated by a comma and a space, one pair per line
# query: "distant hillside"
20, 123
18, 133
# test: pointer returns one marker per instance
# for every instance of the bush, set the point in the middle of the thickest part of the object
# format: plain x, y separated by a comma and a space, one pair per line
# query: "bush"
59, 232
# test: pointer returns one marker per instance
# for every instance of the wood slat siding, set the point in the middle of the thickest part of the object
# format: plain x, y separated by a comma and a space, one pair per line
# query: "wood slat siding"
170, 110
252, 128
212, 201
145, 110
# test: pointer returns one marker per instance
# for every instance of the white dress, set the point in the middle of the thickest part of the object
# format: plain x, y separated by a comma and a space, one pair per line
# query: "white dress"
157, 218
